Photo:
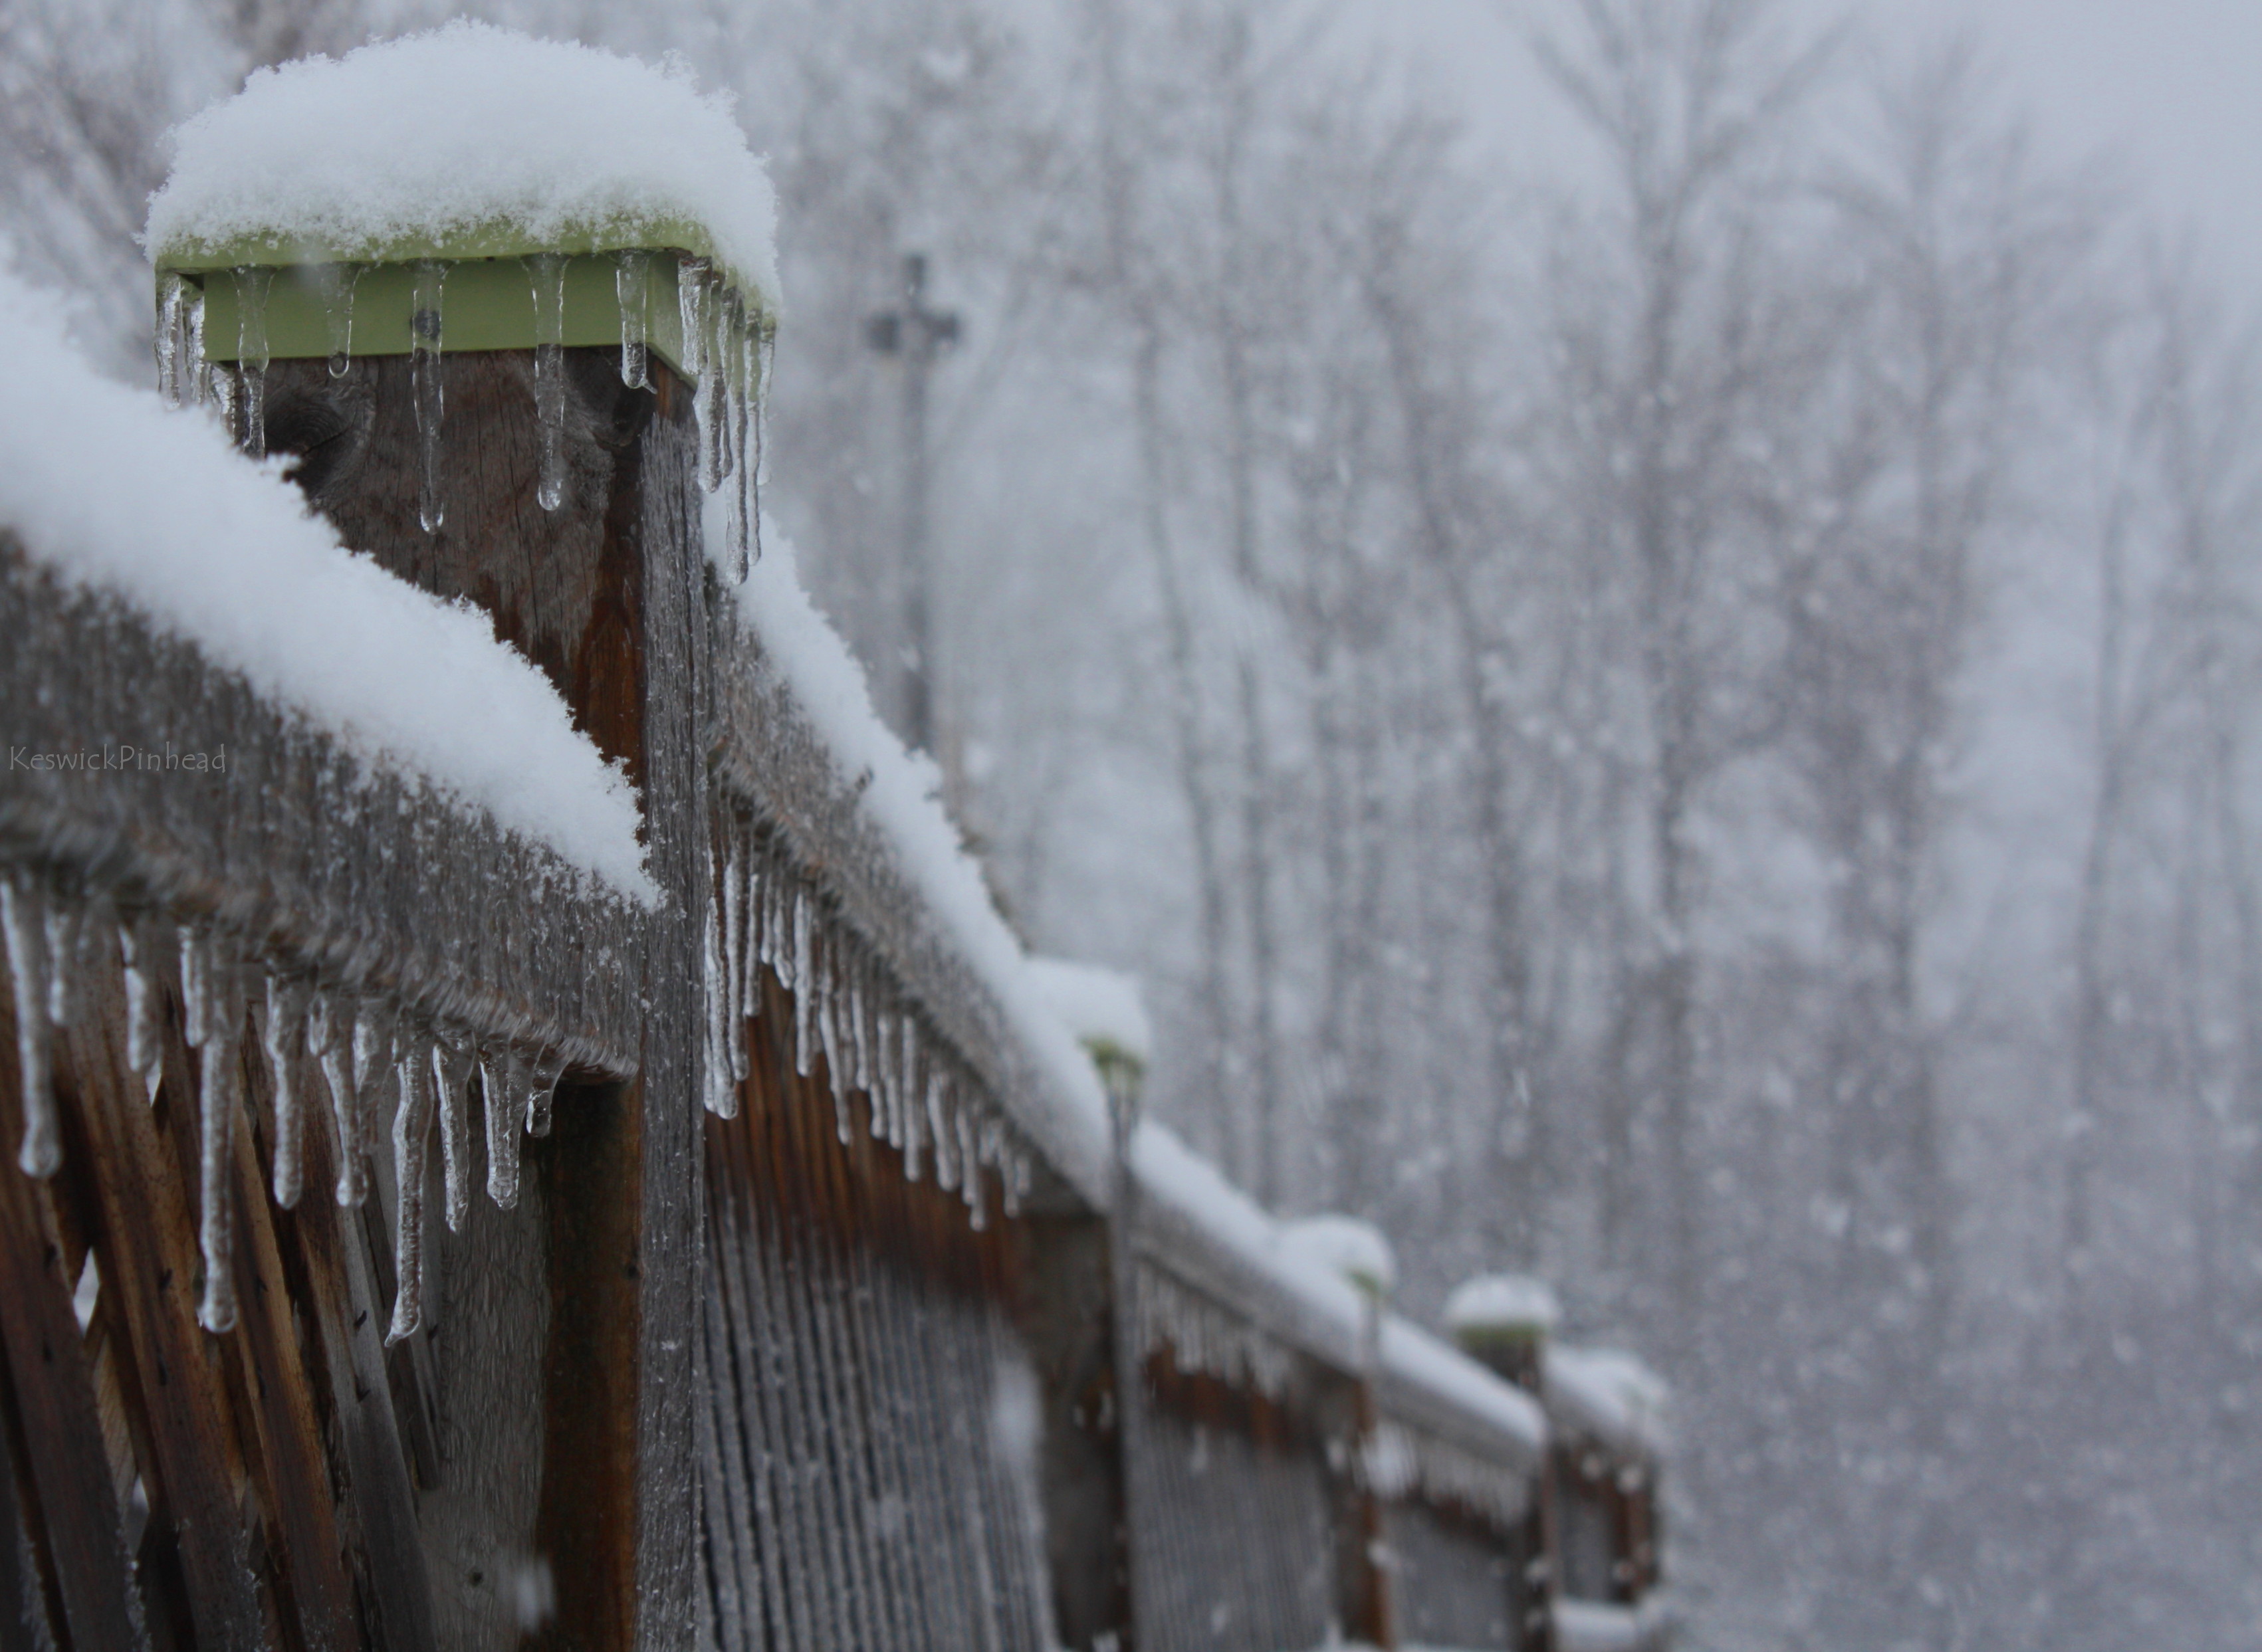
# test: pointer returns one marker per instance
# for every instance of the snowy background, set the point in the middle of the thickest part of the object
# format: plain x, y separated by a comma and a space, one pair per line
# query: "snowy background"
1638, 615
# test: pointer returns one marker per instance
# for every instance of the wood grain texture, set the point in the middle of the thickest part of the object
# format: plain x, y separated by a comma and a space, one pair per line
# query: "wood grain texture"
608, 596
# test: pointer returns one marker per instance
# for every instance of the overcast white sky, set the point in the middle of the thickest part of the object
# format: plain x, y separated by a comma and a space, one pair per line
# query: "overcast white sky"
2170, 89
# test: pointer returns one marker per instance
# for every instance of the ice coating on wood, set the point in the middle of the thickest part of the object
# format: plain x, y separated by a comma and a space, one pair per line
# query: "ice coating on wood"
235, 565
1502, 1302
23, 921
575, 148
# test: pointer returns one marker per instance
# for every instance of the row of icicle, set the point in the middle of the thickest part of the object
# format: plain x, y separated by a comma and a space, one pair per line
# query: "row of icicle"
1203, 1338
724, 335
360, 1051
1398, 1459
1200, 1337
922, 1100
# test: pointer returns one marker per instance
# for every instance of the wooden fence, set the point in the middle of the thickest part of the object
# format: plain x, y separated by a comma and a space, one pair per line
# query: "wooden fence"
719, 1276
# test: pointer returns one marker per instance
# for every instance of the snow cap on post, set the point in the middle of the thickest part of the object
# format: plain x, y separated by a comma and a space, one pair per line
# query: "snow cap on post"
1494, 1306
475, 146
1504, 1320
473, 189
1103, 1012
1347, 1247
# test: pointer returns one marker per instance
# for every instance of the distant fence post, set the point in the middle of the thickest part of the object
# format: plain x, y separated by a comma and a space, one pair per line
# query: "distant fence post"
534, 481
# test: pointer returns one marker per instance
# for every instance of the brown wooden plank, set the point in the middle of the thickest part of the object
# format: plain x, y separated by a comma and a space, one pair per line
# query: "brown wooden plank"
71, 1505
606, 596
278, 1396
587, 1523
344, 1314
143, 1168
27, 1624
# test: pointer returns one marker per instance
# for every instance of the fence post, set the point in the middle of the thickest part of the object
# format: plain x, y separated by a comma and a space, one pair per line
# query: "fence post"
577, 528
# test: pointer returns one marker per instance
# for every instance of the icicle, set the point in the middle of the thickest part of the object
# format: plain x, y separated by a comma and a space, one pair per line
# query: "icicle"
970, 1171
338, 282
550, 375
172, 325
286, 1033
196, 987
907, 1078
374, 1067
331, 1032
1013, 1177
696, 309
452, 1073
220, 1093
691, 314
758, 929
145, 1050
430, 392
412, 1148
804, 990
22, 917
859, 1047
65, 926
885, 1092
198, 384
828, 1034
736, 363
938, 1131
252, 281
502, 1082
750, 444
719, 1093
631, 273
543, 1097
715, 392
734, 956
777, 924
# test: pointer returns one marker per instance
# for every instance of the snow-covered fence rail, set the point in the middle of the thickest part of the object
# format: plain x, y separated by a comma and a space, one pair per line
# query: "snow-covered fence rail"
817, 1297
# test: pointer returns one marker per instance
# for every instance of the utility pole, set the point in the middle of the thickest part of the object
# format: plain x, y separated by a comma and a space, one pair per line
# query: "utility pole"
918, 335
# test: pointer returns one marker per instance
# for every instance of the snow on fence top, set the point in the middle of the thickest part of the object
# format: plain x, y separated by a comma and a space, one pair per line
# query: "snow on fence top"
1347, 1247
1102, 1008
1610, 1395
466, 141
1497, 1305
899, 796
111, 493
1314, 1304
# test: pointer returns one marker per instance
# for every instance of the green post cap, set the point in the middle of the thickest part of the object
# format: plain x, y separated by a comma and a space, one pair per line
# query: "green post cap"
319, 296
